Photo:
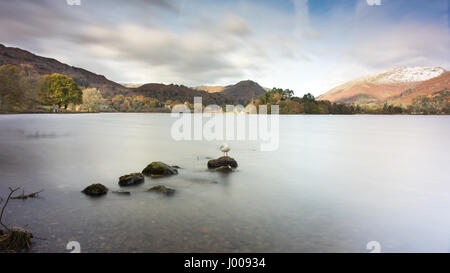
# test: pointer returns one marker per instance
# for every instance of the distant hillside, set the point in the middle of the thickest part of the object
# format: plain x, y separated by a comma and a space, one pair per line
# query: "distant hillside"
132, 85
210, 89
428, 87
242, 92
180, 93
245, 90
396, 86
37, 65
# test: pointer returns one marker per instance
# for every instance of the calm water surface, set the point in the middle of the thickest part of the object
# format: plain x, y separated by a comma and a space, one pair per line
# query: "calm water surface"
334, 184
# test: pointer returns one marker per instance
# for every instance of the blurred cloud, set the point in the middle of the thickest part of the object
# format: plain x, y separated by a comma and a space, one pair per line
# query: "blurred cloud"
203, 42
404, 45
236, 25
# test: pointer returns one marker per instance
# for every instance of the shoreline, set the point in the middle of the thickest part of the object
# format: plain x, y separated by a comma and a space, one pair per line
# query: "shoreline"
131, 112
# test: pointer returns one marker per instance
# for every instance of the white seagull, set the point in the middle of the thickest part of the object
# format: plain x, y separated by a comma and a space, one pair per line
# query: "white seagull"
225, 149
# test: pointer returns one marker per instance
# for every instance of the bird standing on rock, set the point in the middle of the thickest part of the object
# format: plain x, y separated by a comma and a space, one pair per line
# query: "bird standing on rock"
225, 149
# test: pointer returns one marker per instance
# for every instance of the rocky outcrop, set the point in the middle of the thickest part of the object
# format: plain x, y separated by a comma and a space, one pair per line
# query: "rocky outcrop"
224, 161
162, 190
131, 179
95, 190
159, 169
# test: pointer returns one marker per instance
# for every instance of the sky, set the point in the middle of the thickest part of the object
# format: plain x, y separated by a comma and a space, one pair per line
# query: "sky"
306, 46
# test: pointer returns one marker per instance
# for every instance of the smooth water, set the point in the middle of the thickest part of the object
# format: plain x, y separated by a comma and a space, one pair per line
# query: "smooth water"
334, 184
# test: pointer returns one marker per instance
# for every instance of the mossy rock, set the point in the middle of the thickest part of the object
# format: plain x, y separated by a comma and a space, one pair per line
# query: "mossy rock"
223, 161
131, 179
159, 169
95, 190
162, 189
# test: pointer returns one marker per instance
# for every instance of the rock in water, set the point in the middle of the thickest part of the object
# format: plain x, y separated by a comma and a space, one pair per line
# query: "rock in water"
223, 161
131, 179
162, 189
159, 169
95, 190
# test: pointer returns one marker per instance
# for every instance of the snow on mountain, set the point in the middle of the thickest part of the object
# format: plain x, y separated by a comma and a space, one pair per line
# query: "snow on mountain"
388, 85
409, 74
403, 75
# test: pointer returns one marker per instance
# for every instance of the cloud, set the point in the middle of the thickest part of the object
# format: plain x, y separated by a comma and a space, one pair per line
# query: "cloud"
160, 41
408, 44
189, 57
204, 42
372, 39
236, 25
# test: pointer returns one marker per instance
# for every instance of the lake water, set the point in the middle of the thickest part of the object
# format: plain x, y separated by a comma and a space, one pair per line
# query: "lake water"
334, 184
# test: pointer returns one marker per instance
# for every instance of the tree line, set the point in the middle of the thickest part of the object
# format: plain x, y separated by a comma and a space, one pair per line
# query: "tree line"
437, 103
22, 92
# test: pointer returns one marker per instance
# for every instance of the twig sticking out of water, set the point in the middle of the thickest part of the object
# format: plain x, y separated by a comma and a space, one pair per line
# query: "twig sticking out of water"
4, 206
25, 196
16, 239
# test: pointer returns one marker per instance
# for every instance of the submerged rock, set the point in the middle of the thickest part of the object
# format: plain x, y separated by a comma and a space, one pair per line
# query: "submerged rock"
223, 161
131, 179
162, 189
159, 169
95, 190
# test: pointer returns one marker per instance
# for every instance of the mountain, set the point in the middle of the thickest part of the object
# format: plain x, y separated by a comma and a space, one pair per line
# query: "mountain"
182, 93
243, 90
36, 65
246, 90
33, 64
396, 86
428, 87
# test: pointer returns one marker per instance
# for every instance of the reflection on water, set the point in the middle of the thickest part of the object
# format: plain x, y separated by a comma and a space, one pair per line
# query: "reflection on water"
334, 184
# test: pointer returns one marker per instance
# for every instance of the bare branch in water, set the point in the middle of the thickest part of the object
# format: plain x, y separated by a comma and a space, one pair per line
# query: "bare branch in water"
4, 206
25, 196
